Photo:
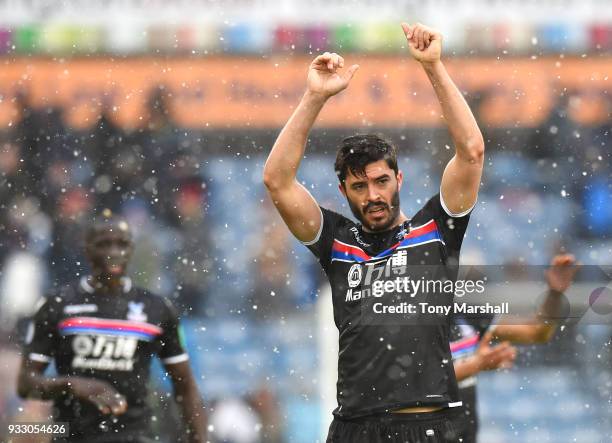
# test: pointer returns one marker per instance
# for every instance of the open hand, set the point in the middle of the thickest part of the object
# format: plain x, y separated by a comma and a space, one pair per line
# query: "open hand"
561, 272
491, 357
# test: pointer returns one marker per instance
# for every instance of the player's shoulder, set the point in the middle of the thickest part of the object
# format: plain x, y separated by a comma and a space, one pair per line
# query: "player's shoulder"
138, 293
464, 326
55, 300
430, 209
338, 220
341, 228
64, 294
150, 298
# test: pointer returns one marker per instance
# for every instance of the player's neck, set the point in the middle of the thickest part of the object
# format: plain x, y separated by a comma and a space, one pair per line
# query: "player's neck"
107, 284
401, 218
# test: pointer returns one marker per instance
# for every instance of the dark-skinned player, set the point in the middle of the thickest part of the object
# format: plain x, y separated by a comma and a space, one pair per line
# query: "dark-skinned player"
102, 332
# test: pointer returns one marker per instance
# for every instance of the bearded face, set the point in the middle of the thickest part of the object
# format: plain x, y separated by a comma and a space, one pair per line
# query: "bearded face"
374, 196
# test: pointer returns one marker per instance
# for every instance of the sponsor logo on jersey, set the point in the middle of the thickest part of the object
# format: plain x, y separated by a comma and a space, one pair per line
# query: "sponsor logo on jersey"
79, 309
402, 233
358, 238
136, 312
354, 275
104, 353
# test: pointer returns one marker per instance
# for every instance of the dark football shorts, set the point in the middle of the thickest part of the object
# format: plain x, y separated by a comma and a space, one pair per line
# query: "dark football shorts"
431, 427
466, 425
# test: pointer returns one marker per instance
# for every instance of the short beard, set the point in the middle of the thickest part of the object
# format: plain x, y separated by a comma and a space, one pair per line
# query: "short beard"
394, 211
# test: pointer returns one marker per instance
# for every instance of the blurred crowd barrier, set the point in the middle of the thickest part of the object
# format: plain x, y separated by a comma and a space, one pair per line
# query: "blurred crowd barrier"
249, 93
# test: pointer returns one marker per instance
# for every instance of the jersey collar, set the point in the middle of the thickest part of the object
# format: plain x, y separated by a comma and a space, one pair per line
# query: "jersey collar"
126, 283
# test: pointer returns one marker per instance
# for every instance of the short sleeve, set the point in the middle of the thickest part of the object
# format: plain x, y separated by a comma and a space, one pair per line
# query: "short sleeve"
172, 348
321, 246
41, 338
452, 227
490, 323
483, 323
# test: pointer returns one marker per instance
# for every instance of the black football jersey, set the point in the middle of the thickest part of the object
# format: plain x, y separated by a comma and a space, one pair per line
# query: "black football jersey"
466, 334
106, 337
384, 364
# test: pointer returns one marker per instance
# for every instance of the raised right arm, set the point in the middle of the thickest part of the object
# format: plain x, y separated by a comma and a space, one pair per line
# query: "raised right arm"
295, 204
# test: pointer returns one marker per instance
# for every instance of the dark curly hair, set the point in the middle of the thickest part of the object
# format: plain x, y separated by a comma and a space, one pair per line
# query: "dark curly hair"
358, 151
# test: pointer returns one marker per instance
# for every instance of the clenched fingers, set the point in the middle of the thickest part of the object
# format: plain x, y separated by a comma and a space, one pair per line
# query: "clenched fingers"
108, 403
420, 36
329, 60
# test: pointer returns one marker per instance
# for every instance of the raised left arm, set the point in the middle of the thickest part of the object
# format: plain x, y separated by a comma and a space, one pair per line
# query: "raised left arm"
461, 178
187, 396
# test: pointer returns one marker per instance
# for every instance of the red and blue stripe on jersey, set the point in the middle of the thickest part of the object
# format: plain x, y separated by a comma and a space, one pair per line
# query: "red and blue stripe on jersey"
417, 236
464, 347
106, 326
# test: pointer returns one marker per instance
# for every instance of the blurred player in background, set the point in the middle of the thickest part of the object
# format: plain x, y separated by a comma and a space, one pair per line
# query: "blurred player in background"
418, 402
101, 332
471, 337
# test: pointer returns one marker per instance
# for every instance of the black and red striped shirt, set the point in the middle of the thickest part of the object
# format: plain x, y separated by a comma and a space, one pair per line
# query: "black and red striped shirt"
389, 362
